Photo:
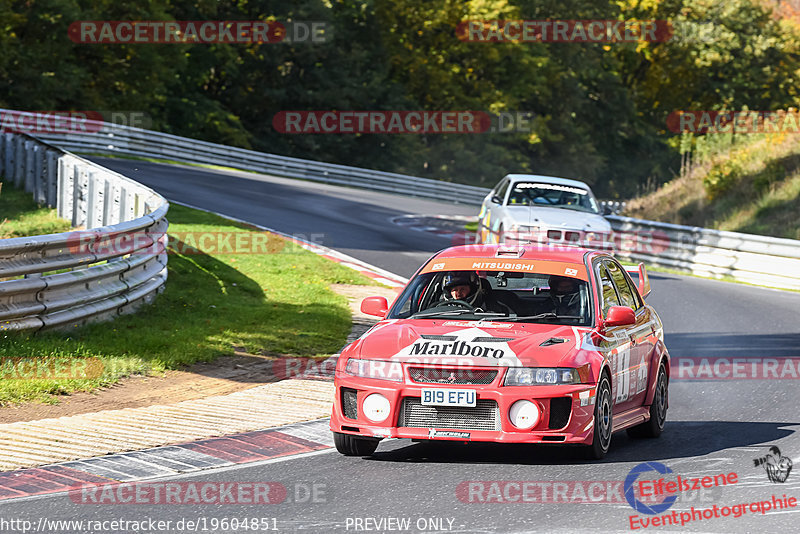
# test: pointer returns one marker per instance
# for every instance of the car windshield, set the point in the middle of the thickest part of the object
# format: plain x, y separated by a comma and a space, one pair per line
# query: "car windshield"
495, 296
552, 195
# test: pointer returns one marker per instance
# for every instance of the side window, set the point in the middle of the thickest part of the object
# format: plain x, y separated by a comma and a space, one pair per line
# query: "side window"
624, 290
607, 287
635, 292
501, 190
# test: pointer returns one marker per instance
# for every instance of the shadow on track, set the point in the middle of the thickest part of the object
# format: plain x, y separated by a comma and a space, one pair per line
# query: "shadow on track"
681, 439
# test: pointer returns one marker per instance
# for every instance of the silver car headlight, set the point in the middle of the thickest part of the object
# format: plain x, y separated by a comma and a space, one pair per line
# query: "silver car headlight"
538, 376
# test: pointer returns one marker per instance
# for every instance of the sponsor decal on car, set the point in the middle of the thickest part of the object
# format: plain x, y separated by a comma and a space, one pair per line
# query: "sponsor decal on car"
433, 433
472, 346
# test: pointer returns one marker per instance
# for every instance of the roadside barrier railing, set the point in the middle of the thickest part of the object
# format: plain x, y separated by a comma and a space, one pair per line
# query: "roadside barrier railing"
112, 263
753, 259
129, 141
743, 257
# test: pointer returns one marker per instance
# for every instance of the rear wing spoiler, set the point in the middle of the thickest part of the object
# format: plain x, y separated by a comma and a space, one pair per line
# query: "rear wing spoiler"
644, 280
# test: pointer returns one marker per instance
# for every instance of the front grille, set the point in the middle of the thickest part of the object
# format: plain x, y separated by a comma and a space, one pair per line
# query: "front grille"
430, 375
484, 416
350, 403
560, 409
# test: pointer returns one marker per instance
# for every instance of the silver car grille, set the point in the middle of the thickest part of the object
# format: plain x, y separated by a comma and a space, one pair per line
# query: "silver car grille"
484, 416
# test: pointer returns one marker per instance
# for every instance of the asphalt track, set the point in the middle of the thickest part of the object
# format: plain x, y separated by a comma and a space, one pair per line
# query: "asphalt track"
714, 426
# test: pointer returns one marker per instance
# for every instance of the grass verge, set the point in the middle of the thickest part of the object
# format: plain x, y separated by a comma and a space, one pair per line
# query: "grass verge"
21, 216
277, 303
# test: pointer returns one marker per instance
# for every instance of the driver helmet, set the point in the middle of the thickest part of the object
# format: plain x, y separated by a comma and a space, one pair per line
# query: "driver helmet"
565, 295
470, 279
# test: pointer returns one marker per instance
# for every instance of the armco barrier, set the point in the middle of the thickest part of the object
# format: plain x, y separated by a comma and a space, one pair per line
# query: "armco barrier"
747, 258
47, 281
127, 141
754, 259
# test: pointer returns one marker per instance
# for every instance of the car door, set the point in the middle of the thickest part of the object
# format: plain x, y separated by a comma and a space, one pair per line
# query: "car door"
640, 333
617, 343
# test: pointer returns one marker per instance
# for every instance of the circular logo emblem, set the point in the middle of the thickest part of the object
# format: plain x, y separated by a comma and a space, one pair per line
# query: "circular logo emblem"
630, 482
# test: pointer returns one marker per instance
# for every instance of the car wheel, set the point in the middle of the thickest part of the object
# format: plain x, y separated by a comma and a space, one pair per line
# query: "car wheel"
354, 446
658, 410
603, 421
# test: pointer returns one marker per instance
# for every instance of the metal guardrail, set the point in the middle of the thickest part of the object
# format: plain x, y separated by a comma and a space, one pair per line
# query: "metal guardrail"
753, 259
124, 140
113, 262
747, 258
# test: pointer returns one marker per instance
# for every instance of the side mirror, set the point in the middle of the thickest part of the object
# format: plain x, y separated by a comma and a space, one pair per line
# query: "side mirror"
496, 199
619, 316
376, 306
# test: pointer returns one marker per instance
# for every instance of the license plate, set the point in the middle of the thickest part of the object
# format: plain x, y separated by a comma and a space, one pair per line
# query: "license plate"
449, 397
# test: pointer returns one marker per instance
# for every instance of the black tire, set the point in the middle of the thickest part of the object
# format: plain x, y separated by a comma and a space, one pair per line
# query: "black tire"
353, 445
658, 410
603, 421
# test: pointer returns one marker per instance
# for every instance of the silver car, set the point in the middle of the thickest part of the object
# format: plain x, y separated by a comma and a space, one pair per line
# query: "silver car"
526, 208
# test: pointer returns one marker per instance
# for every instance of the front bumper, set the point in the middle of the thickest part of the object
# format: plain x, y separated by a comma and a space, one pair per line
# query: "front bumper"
567, 412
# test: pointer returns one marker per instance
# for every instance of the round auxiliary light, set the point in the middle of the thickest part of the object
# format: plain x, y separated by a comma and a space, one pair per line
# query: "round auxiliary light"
524, 414
376, 407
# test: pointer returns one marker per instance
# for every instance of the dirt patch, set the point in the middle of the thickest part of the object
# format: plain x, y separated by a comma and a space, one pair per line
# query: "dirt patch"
219, 377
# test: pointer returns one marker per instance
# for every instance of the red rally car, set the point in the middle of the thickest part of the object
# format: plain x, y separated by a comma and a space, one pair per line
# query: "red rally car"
524, 344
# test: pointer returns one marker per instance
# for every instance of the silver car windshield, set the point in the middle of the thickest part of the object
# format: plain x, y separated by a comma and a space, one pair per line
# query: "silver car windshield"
552, 195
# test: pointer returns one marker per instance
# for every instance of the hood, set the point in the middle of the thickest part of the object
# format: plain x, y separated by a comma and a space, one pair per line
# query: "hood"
559, 218
454, 342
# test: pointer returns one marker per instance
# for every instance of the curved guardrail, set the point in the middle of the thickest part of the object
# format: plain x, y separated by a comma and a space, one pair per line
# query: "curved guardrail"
743, 257
753, 259
112, 263
112, 139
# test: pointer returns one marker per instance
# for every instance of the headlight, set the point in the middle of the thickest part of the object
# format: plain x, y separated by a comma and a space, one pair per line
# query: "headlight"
535, 376
379, 369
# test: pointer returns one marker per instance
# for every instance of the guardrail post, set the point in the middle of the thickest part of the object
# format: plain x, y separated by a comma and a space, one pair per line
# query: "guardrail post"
8, 153
91, 200
51, 178
108, 201
123, 204
79, 187
19, 160
39, 182
29, 179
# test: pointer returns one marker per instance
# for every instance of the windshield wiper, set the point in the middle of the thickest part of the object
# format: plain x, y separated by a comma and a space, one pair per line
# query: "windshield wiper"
483, 315
440, 312
547, 315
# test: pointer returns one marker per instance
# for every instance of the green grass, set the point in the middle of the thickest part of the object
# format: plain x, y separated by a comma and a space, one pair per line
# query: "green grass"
754, 188
277, 303
20, 216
